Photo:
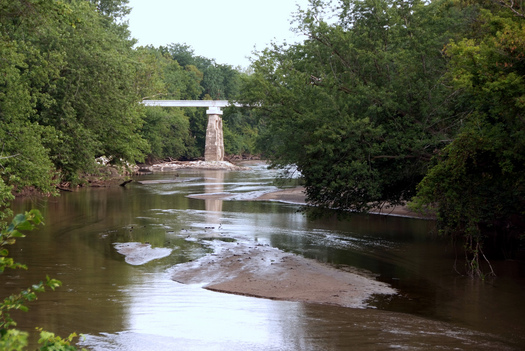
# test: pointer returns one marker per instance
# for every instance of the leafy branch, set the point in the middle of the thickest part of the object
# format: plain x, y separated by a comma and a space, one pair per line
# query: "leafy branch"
515, 6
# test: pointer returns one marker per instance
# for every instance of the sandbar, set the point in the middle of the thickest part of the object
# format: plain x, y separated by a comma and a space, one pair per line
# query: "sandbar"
267, 272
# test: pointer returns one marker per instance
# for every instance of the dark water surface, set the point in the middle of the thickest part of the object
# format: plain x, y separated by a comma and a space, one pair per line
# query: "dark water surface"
119, 306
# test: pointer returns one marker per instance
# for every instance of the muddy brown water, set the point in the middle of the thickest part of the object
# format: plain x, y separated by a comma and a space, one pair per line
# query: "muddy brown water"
122, 306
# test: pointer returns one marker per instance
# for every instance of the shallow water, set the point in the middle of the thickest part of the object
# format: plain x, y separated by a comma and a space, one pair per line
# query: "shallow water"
122, 306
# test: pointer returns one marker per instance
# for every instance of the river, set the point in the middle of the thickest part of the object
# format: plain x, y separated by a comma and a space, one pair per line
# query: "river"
123, 306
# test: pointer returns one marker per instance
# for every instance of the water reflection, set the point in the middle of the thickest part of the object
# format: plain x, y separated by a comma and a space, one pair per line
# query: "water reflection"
200, 319
214, 191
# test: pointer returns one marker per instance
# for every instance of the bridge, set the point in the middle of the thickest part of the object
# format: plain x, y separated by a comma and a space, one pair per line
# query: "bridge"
214, 150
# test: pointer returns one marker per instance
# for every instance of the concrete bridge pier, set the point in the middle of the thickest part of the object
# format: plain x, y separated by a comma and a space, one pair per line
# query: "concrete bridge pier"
214, 150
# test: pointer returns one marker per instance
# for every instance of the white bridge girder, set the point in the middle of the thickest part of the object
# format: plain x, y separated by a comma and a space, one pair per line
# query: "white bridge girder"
189, 103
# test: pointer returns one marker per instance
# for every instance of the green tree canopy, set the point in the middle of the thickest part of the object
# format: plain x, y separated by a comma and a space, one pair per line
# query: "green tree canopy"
478, 181
357, 107
24, 71
75, 87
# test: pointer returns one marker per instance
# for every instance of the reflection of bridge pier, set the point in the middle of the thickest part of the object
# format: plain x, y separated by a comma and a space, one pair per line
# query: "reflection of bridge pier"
214, 187
214, 150
213, 184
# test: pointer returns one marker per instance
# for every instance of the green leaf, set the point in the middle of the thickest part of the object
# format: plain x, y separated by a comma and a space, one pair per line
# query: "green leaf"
19, 219
53, 283
13, 340
17, 234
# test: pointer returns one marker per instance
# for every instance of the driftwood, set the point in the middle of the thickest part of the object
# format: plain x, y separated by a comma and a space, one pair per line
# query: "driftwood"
126, 182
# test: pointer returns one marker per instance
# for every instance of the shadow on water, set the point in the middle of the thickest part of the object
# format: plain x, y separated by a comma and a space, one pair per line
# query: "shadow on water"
125, 307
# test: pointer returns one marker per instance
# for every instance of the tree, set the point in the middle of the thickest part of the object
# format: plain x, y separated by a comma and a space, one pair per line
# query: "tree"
371, 106
114, 9
241, 130
94, 100
358, 107
221, 82
167, 131
24, 70
478, 182
185, 56
69, 92
218, 82
205, 79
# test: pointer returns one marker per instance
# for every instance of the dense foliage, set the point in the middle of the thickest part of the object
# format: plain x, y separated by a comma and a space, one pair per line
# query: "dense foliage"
71, 83
478, 180
357, 107
387, 99
67, 92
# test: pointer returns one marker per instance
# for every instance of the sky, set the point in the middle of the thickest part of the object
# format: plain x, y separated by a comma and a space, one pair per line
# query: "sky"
225, 30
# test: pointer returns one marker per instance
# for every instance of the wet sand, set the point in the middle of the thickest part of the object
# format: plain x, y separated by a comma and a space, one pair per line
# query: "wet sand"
267, 272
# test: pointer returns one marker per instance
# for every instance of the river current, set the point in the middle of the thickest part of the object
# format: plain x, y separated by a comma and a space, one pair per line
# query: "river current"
121, 306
